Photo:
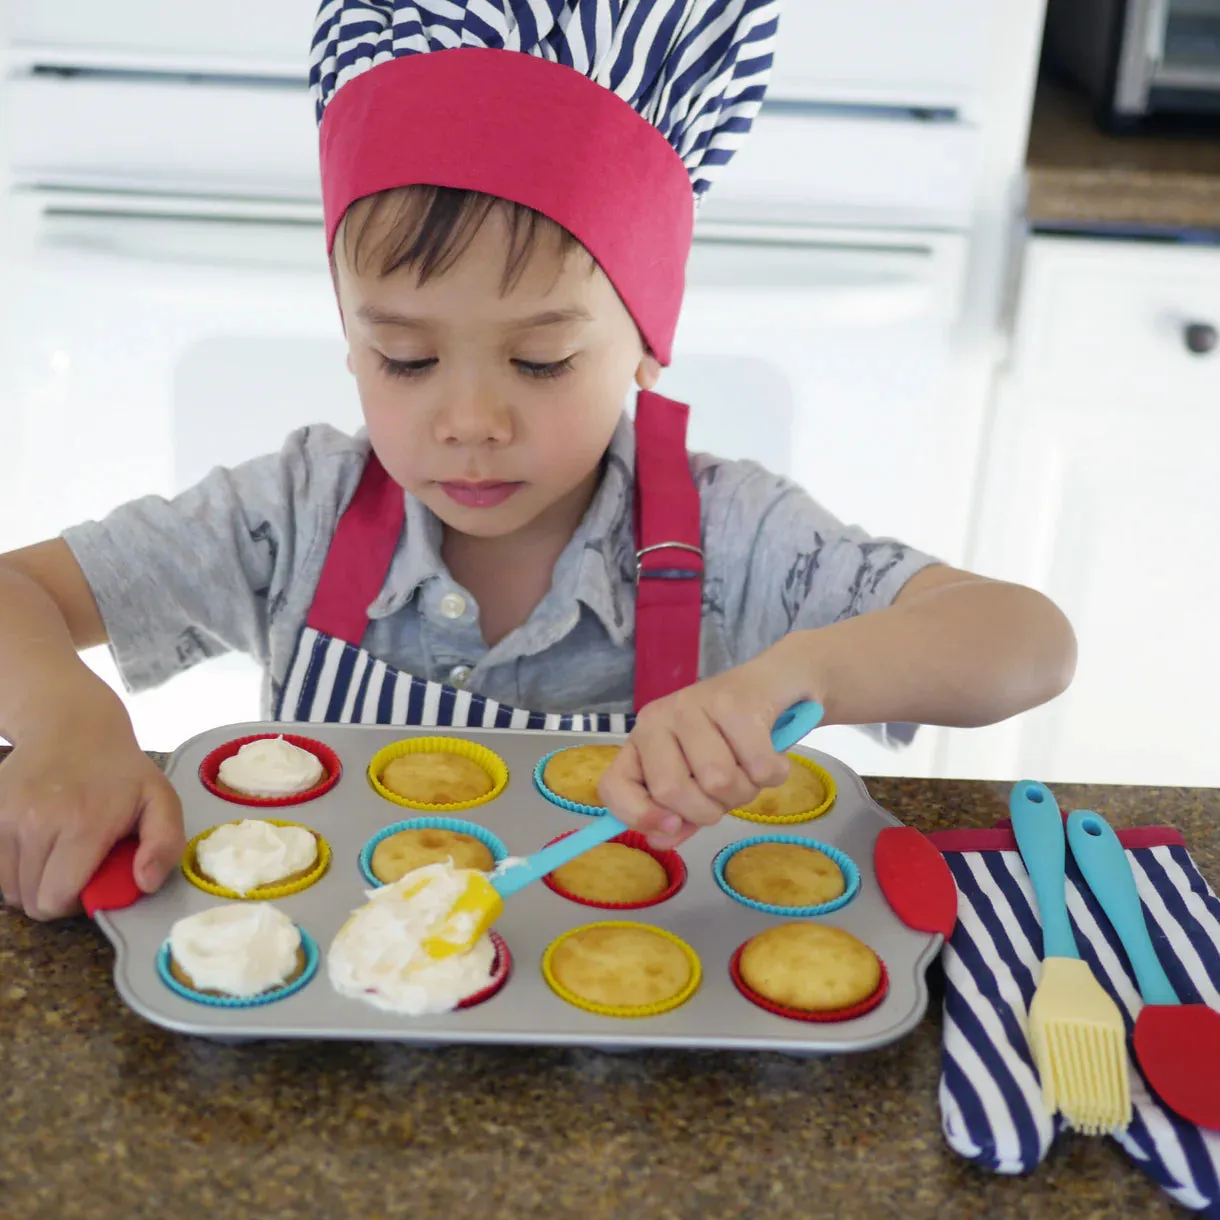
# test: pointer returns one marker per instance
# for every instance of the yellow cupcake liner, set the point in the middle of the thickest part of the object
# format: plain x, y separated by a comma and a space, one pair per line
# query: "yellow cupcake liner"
624, 1010
788, 819
493, 764
264, 893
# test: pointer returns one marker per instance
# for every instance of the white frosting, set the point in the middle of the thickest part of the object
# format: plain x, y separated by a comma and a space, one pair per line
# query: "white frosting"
240, 950
271, 766
244, 855
377, 955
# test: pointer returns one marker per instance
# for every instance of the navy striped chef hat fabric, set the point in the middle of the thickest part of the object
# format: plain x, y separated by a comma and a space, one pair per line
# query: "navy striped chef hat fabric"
696, 70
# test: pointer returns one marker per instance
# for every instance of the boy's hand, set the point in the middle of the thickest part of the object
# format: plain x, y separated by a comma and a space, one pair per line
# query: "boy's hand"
65, 800
702, 751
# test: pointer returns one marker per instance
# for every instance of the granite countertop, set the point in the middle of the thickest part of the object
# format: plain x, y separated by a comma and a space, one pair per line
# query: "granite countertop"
1079, 175
104, 1115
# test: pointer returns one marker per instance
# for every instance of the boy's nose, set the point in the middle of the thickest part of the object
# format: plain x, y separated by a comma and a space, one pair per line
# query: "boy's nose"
472, 417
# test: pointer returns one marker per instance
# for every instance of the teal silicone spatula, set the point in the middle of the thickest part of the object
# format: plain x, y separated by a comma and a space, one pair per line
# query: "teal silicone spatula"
1177, 1045
479, 907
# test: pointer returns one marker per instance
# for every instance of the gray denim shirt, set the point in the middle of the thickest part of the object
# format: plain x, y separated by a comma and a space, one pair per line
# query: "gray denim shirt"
232, 564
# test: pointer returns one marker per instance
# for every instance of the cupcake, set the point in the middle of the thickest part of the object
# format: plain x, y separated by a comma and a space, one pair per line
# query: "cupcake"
406, 850
236, 952
784, 875
270, 770
573, 774
622, 969
377, 955
809, 971
626, 872
438, 773
252, 854
807, 792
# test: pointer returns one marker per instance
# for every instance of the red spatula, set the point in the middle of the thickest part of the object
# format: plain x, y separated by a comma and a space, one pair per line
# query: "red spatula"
114, 884
1177, 1045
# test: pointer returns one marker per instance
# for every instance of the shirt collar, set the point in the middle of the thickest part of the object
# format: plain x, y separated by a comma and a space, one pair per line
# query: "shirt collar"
595, 569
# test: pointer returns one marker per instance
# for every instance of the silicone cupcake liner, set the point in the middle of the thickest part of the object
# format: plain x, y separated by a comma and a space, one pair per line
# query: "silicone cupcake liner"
231, 1001
624, 1010
805, 1014
209, 771
492, 763
501, 968
592, 811
670, 861
789, 819
851, 876
458, 825
264, 893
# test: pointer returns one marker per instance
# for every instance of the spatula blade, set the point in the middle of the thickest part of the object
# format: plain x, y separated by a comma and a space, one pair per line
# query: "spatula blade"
1178, 1048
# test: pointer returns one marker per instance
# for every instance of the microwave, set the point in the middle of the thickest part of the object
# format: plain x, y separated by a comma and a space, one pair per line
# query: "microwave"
1144, 62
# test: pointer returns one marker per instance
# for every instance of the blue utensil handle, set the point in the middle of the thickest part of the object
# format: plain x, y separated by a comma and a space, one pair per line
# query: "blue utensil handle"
1038, 825
600, 830
1105, 866
799, 719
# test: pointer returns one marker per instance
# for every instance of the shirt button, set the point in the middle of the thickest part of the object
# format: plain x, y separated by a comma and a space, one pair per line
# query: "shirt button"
459, 675
453, 605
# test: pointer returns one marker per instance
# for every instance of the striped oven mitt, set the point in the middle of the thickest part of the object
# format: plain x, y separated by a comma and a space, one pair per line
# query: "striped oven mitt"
990, 1099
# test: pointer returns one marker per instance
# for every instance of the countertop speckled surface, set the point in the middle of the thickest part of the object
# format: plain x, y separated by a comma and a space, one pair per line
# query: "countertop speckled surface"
1079, 175
103, 1115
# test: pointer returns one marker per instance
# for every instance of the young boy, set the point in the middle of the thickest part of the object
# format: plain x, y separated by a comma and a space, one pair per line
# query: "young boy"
508, 235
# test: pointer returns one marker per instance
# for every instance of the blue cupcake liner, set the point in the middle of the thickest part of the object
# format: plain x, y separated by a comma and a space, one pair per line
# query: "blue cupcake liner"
458, 825
851, 875
592, 811
232, 1001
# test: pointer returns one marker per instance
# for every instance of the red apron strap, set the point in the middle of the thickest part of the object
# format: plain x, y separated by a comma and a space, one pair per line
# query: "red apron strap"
669, 561
359, 556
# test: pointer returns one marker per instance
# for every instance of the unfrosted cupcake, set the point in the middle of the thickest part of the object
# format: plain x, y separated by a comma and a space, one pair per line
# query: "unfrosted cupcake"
574, 774
236, 952
807, 793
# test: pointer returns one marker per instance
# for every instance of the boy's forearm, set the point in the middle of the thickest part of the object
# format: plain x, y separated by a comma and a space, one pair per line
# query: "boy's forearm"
42, 679
965, 654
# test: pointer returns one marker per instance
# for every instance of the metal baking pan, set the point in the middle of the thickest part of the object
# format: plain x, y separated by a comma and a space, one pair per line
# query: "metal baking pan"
526, 1011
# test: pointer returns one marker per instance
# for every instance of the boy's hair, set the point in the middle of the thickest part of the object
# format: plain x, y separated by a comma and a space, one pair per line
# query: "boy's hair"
429, 228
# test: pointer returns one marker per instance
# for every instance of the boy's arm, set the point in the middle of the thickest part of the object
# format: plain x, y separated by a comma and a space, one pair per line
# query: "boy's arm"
77, 780
953, 648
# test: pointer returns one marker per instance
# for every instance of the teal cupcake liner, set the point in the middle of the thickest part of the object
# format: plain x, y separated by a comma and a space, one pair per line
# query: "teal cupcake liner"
851, 875
591, 811
458, 825
232, 1001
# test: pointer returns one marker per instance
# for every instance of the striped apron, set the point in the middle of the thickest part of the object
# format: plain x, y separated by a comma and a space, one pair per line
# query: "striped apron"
990, 1097
333, 679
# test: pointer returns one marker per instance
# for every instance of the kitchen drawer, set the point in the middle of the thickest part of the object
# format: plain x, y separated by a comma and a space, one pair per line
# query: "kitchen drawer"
1113, 318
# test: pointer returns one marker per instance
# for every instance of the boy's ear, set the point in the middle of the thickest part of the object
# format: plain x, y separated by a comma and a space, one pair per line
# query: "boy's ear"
648, 373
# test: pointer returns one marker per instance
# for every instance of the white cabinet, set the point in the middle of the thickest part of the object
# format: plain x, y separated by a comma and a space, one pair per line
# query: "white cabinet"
1101, 489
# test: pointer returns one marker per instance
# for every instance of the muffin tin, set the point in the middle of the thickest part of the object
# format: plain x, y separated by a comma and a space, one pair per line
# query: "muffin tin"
527, 1011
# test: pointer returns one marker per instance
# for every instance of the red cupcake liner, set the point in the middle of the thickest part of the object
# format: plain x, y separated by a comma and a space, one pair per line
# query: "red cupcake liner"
670, 861
501, 968
805, 1014
209, 771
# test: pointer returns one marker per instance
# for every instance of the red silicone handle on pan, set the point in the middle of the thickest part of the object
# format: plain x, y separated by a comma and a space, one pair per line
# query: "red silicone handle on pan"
915, 880
114, 884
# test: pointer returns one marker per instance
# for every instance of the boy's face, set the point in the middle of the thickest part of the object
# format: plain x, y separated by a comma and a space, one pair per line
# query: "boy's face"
494, 408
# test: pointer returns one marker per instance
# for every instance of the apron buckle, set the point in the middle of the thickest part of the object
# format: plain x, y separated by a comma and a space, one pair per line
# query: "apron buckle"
668, 573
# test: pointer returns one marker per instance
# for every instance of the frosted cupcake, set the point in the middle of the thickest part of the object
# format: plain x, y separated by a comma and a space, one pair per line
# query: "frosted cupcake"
250, 856
270, 770
236, 952
377, 955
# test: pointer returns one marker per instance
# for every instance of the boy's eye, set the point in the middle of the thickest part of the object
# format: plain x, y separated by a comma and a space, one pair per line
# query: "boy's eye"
406, 368
551, 368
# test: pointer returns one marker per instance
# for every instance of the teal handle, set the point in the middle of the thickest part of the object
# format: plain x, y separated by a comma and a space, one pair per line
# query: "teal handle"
1038, 825
799, 719
1105, 866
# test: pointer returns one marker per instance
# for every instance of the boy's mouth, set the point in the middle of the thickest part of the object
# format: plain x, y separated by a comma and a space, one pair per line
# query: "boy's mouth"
480, 495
